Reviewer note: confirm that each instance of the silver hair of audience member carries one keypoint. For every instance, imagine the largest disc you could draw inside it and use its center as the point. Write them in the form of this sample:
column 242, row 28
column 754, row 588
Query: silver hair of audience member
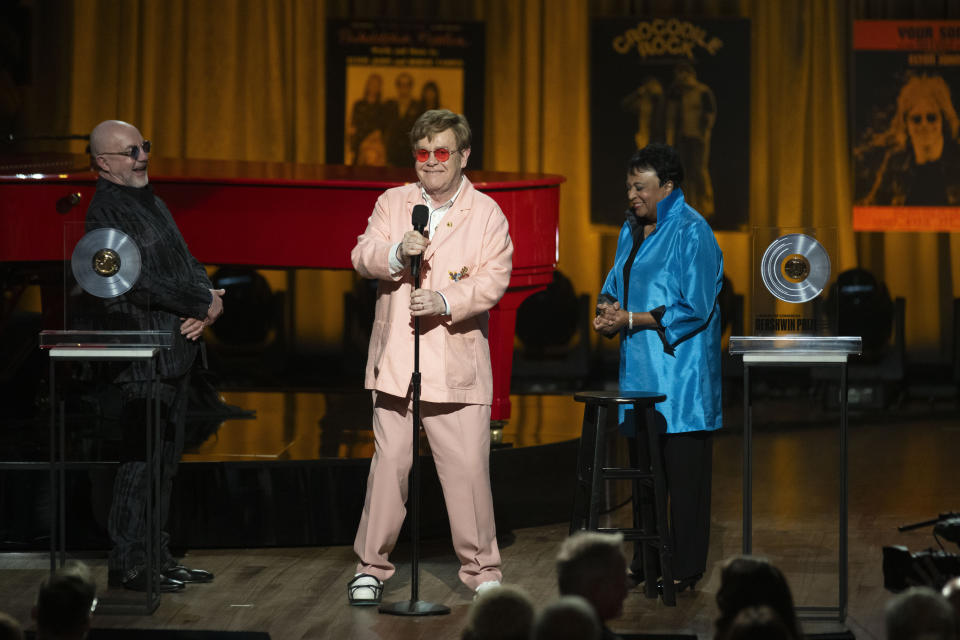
column 569, row 618
column 581, row 559
column 500, row 613
column 920, row 612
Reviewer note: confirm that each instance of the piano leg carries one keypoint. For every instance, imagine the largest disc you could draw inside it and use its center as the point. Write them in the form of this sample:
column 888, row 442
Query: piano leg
column 503, row 322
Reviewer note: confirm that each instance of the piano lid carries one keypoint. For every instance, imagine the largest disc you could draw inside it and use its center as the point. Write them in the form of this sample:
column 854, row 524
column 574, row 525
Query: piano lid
column 55, row 167
column 40, row 165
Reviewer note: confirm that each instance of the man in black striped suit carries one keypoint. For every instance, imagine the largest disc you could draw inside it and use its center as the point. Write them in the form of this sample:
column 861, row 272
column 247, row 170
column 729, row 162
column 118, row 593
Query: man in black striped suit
column 173, row 293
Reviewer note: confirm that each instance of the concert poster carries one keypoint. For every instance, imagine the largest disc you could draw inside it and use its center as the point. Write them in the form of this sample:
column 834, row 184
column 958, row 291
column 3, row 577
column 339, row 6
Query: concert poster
column 906, row 132
column 381, row 76
column 679, row 81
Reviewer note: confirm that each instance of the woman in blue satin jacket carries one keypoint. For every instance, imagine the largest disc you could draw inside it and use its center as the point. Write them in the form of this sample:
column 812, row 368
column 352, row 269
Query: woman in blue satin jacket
column 661, row 298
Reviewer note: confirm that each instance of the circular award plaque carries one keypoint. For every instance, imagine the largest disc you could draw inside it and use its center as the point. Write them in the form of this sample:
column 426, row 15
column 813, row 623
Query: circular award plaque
column 795, row 268
column 106, row 263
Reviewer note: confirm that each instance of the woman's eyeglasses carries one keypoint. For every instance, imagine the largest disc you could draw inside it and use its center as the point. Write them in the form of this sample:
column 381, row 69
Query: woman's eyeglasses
column 133, row 151
column 442, row 154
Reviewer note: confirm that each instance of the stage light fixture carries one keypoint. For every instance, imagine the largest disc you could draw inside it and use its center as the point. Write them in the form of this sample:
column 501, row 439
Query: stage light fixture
column 250, row 304
column 860, row 305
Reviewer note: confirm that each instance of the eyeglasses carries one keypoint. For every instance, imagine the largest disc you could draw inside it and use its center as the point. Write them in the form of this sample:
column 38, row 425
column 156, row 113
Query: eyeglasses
column 918, row 118
column 442, row 154
column 133, row 151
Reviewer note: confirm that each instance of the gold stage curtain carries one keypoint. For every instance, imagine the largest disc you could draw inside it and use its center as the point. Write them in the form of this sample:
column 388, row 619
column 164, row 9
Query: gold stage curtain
column 236, row 80
column 537, row 115
column 221, row 79
column 244, row 79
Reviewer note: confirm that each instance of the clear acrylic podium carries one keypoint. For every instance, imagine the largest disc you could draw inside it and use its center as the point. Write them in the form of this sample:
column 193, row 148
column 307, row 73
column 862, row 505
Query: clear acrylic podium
column 103, row 346
column 798, row 351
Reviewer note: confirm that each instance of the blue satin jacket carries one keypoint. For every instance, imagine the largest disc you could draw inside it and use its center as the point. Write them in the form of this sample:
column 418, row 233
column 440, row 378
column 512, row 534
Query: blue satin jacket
column 678, row 273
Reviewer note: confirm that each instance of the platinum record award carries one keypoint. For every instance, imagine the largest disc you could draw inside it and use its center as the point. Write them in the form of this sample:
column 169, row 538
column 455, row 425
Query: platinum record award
column 106, row 263
column 795, row 268
column 792, row 270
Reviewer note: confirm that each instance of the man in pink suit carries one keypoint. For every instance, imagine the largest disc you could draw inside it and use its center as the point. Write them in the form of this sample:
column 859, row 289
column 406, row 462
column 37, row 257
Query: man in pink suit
column 467, row 259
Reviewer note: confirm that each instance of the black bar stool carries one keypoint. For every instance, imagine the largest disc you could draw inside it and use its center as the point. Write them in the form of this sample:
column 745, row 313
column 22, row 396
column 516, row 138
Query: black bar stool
column 650, row 530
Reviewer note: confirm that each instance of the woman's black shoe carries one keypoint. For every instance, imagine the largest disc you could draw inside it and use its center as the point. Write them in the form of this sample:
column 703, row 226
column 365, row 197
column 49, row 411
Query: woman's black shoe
column 679, row 586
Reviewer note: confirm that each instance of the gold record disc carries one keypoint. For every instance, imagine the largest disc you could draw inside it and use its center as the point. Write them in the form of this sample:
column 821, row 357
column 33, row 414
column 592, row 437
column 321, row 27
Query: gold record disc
column 795, row 268
column 106, row 263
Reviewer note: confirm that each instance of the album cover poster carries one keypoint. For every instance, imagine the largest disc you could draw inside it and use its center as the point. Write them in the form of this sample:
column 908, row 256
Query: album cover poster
column 382, row 75
column 906, row 132
column 683, row 82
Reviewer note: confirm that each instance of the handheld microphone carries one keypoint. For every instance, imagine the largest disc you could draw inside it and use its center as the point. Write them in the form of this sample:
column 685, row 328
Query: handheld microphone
column 421, row 215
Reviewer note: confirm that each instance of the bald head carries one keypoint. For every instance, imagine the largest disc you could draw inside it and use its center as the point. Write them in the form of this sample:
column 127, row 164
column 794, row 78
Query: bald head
column 104, row 134
column 112, row 145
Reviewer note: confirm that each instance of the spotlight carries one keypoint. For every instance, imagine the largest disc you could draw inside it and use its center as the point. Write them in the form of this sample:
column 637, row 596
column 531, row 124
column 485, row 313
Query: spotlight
column 548, row 318
column 861, row 307
column 250, row 305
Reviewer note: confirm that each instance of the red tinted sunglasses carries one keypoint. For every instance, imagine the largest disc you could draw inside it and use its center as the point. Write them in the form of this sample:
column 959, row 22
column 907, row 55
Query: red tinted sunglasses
column 442, row 154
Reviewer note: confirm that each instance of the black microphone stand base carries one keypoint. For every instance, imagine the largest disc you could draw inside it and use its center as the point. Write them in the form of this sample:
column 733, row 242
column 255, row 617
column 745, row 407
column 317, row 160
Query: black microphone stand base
column 414, row 608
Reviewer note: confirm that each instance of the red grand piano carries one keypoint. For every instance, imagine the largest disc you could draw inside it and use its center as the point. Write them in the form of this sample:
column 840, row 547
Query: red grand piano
column 230, row 214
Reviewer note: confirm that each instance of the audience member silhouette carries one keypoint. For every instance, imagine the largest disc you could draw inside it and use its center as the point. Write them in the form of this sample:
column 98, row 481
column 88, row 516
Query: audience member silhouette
column 500, row 613
column 758, row 623
column 10, row 629
column 748, row 581
column 591, row 565
column 920, row 613
column 951, row 591
column 569, row 618
column 65, row 604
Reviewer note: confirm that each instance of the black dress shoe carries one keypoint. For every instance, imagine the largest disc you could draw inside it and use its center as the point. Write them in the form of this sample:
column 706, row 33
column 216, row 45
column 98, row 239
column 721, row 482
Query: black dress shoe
column 165, row 585
column 184, row 574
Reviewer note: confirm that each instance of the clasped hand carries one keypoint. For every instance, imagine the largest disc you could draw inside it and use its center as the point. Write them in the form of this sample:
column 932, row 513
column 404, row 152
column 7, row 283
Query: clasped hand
column 192, row 328
column 610, row 318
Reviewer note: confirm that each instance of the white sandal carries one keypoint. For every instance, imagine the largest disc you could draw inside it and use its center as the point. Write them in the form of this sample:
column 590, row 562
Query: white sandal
column 364, row 590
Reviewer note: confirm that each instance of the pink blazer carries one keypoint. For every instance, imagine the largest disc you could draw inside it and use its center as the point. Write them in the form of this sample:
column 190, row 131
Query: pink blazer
column 469, row 261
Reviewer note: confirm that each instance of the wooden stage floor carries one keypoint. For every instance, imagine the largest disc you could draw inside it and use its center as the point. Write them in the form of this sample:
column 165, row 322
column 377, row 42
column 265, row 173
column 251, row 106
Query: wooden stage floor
column 903, row 468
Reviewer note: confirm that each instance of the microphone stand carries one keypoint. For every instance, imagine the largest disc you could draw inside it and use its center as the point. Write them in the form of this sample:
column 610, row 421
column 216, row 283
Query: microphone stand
column 415, row 606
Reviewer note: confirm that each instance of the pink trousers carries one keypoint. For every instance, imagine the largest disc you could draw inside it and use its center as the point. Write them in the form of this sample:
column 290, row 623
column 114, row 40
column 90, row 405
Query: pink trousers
column 459, row 436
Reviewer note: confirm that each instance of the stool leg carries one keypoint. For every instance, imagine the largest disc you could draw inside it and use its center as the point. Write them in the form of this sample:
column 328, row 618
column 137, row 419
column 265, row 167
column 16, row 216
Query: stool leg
column 596, row 482
column 636, row 563
column 649, row 549
column 581, row 491
column 660, row 497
